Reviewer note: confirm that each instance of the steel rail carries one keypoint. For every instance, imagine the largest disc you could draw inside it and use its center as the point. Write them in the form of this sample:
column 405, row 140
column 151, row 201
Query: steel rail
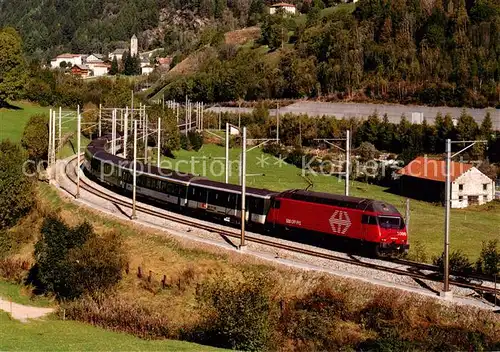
column 217, row 230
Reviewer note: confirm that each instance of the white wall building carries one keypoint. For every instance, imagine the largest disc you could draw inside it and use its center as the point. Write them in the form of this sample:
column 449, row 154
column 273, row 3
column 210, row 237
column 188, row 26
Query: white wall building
column 70, row 59
column 134, row 46
column 288, row 8
column 425, row 179
column 472, row 188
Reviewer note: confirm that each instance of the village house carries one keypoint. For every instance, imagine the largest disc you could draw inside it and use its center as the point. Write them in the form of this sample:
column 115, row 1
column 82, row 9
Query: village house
column 425, row 179
column 82, row 71
column 288, row 8
column 69, row 59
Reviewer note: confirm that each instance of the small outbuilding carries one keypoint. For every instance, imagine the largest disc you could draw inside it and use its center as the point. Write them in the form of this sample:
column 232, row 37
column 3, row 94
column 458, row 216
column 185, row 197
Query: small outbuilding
column 287, row 8
column 425, row 179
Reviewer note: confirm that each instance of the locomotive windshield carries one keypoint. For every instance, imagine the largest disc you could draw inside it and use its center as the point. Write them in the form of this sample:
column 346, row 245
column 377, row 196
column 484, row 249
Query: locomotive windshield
column 391, row 222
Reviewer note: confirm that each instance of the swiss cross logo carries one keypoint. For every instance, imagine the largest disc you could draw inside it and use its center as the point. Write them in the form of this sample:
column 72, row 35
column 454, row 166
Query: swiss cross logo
column 340, row 222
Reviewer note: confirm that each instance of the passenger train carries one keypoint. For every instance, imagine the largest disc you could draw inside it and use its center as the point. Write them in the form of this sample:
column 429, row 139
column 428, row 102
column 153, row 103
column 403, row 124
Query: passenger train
column 319, row 216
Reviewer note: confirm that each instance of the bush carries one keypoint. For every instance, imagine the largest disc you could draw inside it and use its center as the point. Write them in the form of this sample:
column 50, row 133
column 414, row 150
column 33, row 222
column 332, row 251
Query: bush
column 489, row 259
column 115, row 313
column 458, row 262
column 320, row 320
column 195, row 140
column 237, row 315
column 74, row 261
column 184, row 142
column 36, row 138
column 16, row 189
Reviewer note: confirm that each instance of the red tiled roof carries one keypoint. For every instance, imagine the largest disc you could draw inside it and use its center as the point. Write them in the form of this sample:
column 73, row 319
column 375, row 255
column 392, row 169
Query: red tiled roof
column 432, row 169
column 67, row 56
column 283, row 4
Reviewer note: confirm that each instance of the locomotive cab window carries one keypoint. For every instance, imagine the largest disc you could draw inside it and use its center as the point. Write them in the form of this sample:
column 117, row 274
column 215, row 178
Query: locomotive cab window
column 369, row 219
column 390, row 222
column 276, row 204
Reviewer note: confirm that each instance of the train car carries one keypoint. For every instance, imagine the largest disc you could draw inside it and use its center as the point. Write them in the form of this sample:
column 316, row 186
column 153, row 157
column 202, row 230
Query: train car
column 157, row 184
column 223, row 201
column 375, row 223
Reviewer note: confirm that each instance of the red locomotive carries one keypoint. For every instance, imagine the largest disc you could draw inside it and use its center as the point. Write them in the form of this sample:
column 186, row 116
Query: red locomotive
column 376, row 223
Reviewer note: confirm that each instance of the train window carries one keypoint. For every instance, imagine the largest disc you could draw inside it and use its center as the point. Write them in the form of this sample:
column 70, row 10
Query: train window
column 390, row 222
column 369, row 219
column 276, row 204
column 256, row 205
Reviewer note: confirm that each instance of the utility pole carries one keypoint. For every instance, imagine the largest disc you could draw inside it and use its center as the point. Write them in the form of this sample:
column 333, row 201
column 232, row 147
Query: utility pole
column 347, row 161
column 407, row 217
column 145, row 138
column 243, row 188
column 446, row 287
column 159, row 142
column 78, row 132
column 49, row 154
column 227, row 152
column 125, row 134
column 60, row 124
column 99, row 123
column 278, row 123
column 53, row 161
column 134, row 176
column 446, row 293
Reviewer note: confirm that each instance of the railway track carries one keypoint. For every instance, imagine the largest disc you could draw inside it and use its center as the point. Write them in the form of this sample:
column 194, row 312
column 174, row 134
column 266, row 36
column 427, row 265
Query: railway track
column 413, row 270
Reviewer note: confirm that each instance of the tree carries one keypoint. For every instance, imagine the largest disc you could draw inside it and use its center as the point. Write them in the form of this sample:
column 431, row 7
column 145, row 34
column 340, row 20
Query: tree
column 16, row 188
column 36, row 138
column 12, row 65
column 486, row 128
column 114, row 70
column 466, row 127
column 72, row 261
column 367, row 151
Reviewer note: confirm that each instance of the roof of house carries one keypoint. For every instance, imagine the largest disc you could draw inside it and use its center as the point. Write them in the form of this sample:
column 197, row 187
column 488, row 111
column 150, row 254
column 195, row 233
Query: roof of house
column 432, row 169
column 82, row 67
column 164, row 60
column 283, row 4
column 66, row 56
column 119, row 52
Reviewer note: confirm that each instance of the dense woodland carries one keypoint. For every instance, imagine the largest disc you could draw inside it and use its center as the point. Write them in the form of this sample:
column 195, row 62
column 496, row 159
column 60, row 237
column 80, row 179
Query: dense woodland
column 443, row 52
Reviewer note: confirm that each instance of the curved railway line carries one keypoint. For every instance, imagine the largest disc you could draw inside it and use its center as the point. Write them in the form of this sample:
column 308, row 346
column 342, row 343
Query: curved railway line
column 413, row 269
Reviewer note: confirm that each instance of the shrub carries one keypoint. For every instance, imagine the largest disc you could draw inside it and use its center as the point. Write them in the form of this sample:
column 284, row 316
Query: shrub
column 12, row 270
column 74, row 261
column 237, row 315
column 16, row 189
column 115, row 313
column 458, row 262
column 418, row 252
column 184, row 142
column 489, row 259
column 36, row 137
column 320, row 320
column 195, row 140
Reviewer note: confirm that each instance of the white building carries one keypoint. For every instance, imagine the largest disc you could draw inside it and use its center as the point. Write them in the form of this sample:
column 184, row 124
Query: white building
column 146, row 70
column 288, row 8
column 118, row 53
column 134, row 46
column 98, row 69
column 425, row 179
column 70, row 60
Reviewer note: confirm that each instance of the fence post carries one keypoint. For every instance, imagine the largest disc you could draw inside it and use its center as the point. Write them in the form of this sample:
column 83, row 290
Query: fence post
column 163, row 281
column 150, row 275
column 139, row 272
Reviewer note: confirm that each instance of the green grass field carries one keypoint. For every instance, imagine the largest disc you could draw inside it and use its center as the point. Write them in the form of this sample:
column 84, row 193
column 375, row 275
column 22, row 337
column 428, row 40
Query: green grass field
column 50, row 334
column 21, row 295
column 469, row 227
column 57, row 335
column 12, row 121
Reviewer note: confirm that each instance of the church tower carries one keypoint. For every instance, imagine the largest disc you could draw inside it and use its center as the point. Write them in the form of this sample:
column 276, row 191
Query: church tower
column 134, row 46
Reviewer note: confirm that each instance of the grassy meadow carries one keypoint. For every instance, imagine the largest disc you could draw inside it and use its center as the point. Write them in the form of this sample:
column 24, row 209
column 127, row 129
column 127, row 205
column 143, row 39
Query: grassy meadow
column 13, row 119
column 58, row 335
column 469, row 227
